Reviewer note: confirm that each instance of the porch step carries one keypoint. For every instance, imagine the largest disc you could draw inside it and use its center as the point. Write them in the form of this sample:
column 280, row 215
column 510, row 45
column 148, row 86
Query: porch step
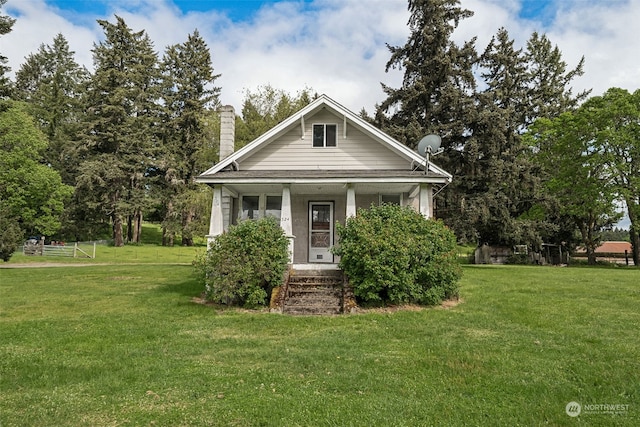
column 314, row 293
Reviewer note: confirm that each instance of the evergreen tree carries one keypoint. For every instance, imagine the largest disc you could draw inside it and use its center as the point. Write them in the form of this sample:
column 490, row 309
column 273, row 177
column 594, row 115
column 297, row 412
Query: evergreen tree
column 52, row 83
column 121, row 140
column 435, row 96
column 496, row 195
column 189, row 95
column 550, row 93
column 6, row 23
column 496, row 182
column 502, row 199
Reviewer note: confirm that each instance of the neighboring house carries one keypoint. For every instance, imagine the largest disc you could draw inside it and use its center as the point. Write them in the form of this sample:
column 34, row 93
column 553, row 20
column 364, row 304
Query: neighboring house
column 312, row 170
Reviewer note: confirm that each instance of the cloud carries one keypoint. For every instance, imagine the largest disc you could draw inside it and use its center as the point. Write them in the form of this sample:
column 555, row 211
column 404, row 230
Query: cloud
column 337, row 47
column 606, row 33
column 37, row 24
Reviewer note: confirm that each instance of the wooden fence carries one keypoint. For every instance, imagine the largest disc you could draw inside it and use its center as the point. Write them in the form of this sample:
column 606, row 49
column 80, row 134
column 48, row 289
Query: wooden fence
column 77, row 250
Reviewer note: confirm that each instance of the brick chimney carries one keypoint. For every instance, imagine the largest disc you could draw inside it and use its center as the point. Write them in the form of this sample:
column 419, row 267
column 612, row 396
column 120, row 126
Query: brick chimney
column 227, row 131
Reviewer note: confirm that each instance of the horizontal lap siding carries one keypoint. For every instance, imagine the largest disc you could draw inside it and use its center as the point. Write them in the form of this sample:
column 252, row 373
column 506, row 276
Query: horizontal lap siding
column 356, row 152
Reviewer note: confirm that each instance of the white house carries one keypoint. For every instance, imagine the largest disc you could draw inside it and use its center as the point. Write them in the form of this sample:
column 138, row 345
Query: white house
column 312, row 170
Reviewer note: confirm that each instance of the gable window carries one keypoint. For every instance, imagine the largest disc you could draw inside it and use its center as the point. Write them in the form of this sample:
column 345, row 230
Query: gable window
column 325, row 135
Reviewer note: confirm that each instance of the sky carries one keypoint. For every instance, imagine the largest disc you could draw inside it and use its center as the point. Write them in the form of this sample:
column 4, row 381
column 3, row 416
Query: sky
column 336, row 47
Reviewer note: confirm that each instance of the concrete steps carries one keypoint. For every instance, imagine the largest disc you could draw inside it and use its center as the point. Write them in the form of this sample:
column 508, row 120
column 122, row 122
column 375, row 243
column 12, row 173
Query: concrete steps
column 314, row 292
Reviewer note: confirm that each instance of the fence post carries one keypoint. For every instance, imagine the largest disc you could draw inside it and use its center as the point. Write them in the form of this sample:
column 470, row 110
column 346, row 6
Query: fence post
column 94, row 250
column 75, row 249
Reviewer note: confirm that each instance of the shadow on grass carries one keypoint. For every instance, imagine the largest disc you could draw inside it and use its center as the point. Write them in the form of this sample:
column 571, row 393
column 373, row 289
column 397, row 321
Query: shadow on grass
column 189, row 287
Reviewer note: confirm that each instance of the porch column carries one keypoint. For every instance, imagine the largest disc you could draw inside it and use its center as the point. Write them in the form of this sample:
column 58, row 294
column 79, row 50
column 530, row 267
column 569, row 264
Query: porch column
column 285, row 218
column 351, row 201
column 216, row 222
column 426, row 196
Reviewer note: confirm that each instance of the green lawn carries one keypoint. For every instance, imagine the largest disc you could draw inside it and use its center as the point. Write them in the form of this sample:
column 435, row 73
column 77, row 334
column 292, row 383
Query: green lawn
column 119, row 345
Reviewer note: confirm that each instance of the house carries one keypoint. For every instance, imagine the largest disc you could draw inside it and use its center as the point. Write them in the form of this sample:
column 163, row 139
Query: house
column 312, row 170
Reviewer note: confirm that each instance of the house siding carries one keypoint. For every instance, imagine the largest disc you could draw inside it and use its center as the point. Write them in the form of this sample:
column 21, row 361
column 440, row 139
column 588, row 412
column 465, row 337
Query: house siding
column 355, row 152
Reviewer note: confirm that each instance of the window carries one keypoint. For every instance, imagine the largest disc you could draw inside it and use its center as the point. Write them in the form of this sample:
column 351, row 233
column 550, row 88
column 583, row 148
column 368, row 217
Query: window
column 250, row 207
column 259, row 206
column 274, row 206
column 392, row 199
column 325, row 135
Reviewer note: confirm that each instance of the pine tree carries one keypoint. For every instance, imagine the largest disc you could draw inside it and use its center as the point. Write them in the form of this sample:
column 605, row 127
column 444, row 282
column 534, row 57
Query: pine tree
column 6, row 23
column 189, row 96
column 122, row 105
column 496, row 195
column 52, row 83
column 550, row 93
column 488, row 190
column 501, row 184
column 435, row 96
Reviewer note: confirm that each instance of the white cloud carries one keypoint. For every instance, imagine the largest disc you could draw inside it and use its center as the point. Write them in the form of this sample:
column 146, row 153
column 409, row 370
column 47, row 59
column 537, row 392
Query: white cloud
column 38, row 24
column 606, row 34
column 337, row 47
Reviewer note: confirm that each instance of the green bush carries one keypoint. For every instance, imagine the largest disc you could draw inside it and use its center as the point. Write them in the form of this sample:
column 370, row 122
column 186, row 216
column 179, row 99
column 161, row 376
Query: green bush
column 243, row 265
column 393, row 255
column 10, row 234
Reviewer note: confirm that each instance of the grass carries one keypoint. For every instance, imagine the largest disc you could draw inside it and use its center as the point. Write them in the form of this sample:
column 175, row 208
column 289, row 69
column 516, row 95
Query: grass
column 119, row 345
column 149, row 251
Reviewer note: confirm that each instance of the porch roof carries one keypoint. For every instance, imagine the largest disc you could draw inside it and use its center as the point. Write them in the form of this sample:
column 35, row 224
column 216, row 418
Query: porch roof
column 323, row 176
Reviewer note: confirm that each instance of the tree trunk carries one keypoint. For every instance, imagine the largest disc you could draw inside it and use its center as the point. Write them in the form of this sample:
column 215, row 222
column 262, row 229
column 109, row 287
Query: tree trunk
column 586, row 230
column 167, row 236
column 137, row 226
column 633, row 211
column 129, row 228
column 187, row 218
column 118, row 238
column 634, row 236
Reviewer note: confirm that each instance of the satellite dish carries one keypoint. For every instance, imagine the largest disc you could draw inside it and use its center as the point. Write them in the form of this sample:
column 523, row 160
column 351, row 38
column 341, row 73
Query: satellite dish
column 429, row 144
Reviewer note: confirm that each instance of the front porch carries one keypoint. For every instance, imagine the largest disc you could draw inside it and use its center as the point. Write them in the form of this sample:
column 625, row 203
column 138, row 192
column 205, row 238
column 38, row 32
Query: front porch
column 309, row 206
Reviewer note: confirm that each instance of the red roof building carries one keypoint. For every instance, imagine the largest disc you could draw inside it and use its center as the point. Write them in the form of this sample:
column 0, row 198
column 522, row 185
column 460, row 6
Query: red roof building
column 614, row 248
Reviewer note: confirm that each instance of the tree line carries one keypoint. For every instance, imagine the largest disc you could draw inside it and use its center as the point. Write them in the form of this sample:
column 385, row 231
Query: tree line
column 88, row 155
column 532, row 161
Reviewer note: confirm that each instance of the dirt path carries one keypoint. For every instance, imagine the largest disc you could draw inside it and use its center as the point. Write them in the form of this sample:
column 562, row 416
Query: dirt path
column 45, row 265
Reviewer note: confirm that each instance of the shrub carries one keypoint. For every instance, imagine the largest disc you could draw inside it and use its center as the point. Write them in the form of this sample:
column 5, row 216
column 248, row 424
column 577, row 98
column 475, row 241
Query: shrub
column 10, row 234
column 392, row 254
column 243, row 265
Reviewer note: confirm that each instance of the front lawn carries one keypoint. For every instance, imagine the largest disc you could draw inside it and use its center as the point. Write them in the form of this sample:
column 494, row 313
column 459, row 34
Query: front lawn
column 126, row 345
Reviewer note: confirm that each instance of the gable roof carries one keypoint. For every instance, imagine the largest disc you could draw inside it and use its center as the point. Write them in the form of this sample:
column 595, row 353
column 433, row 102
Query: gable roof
column 323, row 101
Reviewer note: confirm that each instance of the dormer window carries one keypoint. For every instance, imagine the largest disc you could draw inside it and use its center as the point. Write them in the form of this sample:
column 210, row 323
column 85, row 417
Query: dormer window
column 325, row 135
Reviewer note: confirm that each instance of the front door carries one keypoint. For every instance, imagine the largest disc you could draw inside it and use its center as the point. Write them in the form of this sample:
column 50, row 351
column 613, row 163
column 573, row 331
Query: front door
column 320, row 231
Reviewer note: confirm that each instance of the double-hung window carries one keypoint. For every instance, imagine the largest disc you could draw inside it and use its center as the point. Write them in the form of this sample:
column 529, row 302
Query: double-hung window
column 325, row 135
